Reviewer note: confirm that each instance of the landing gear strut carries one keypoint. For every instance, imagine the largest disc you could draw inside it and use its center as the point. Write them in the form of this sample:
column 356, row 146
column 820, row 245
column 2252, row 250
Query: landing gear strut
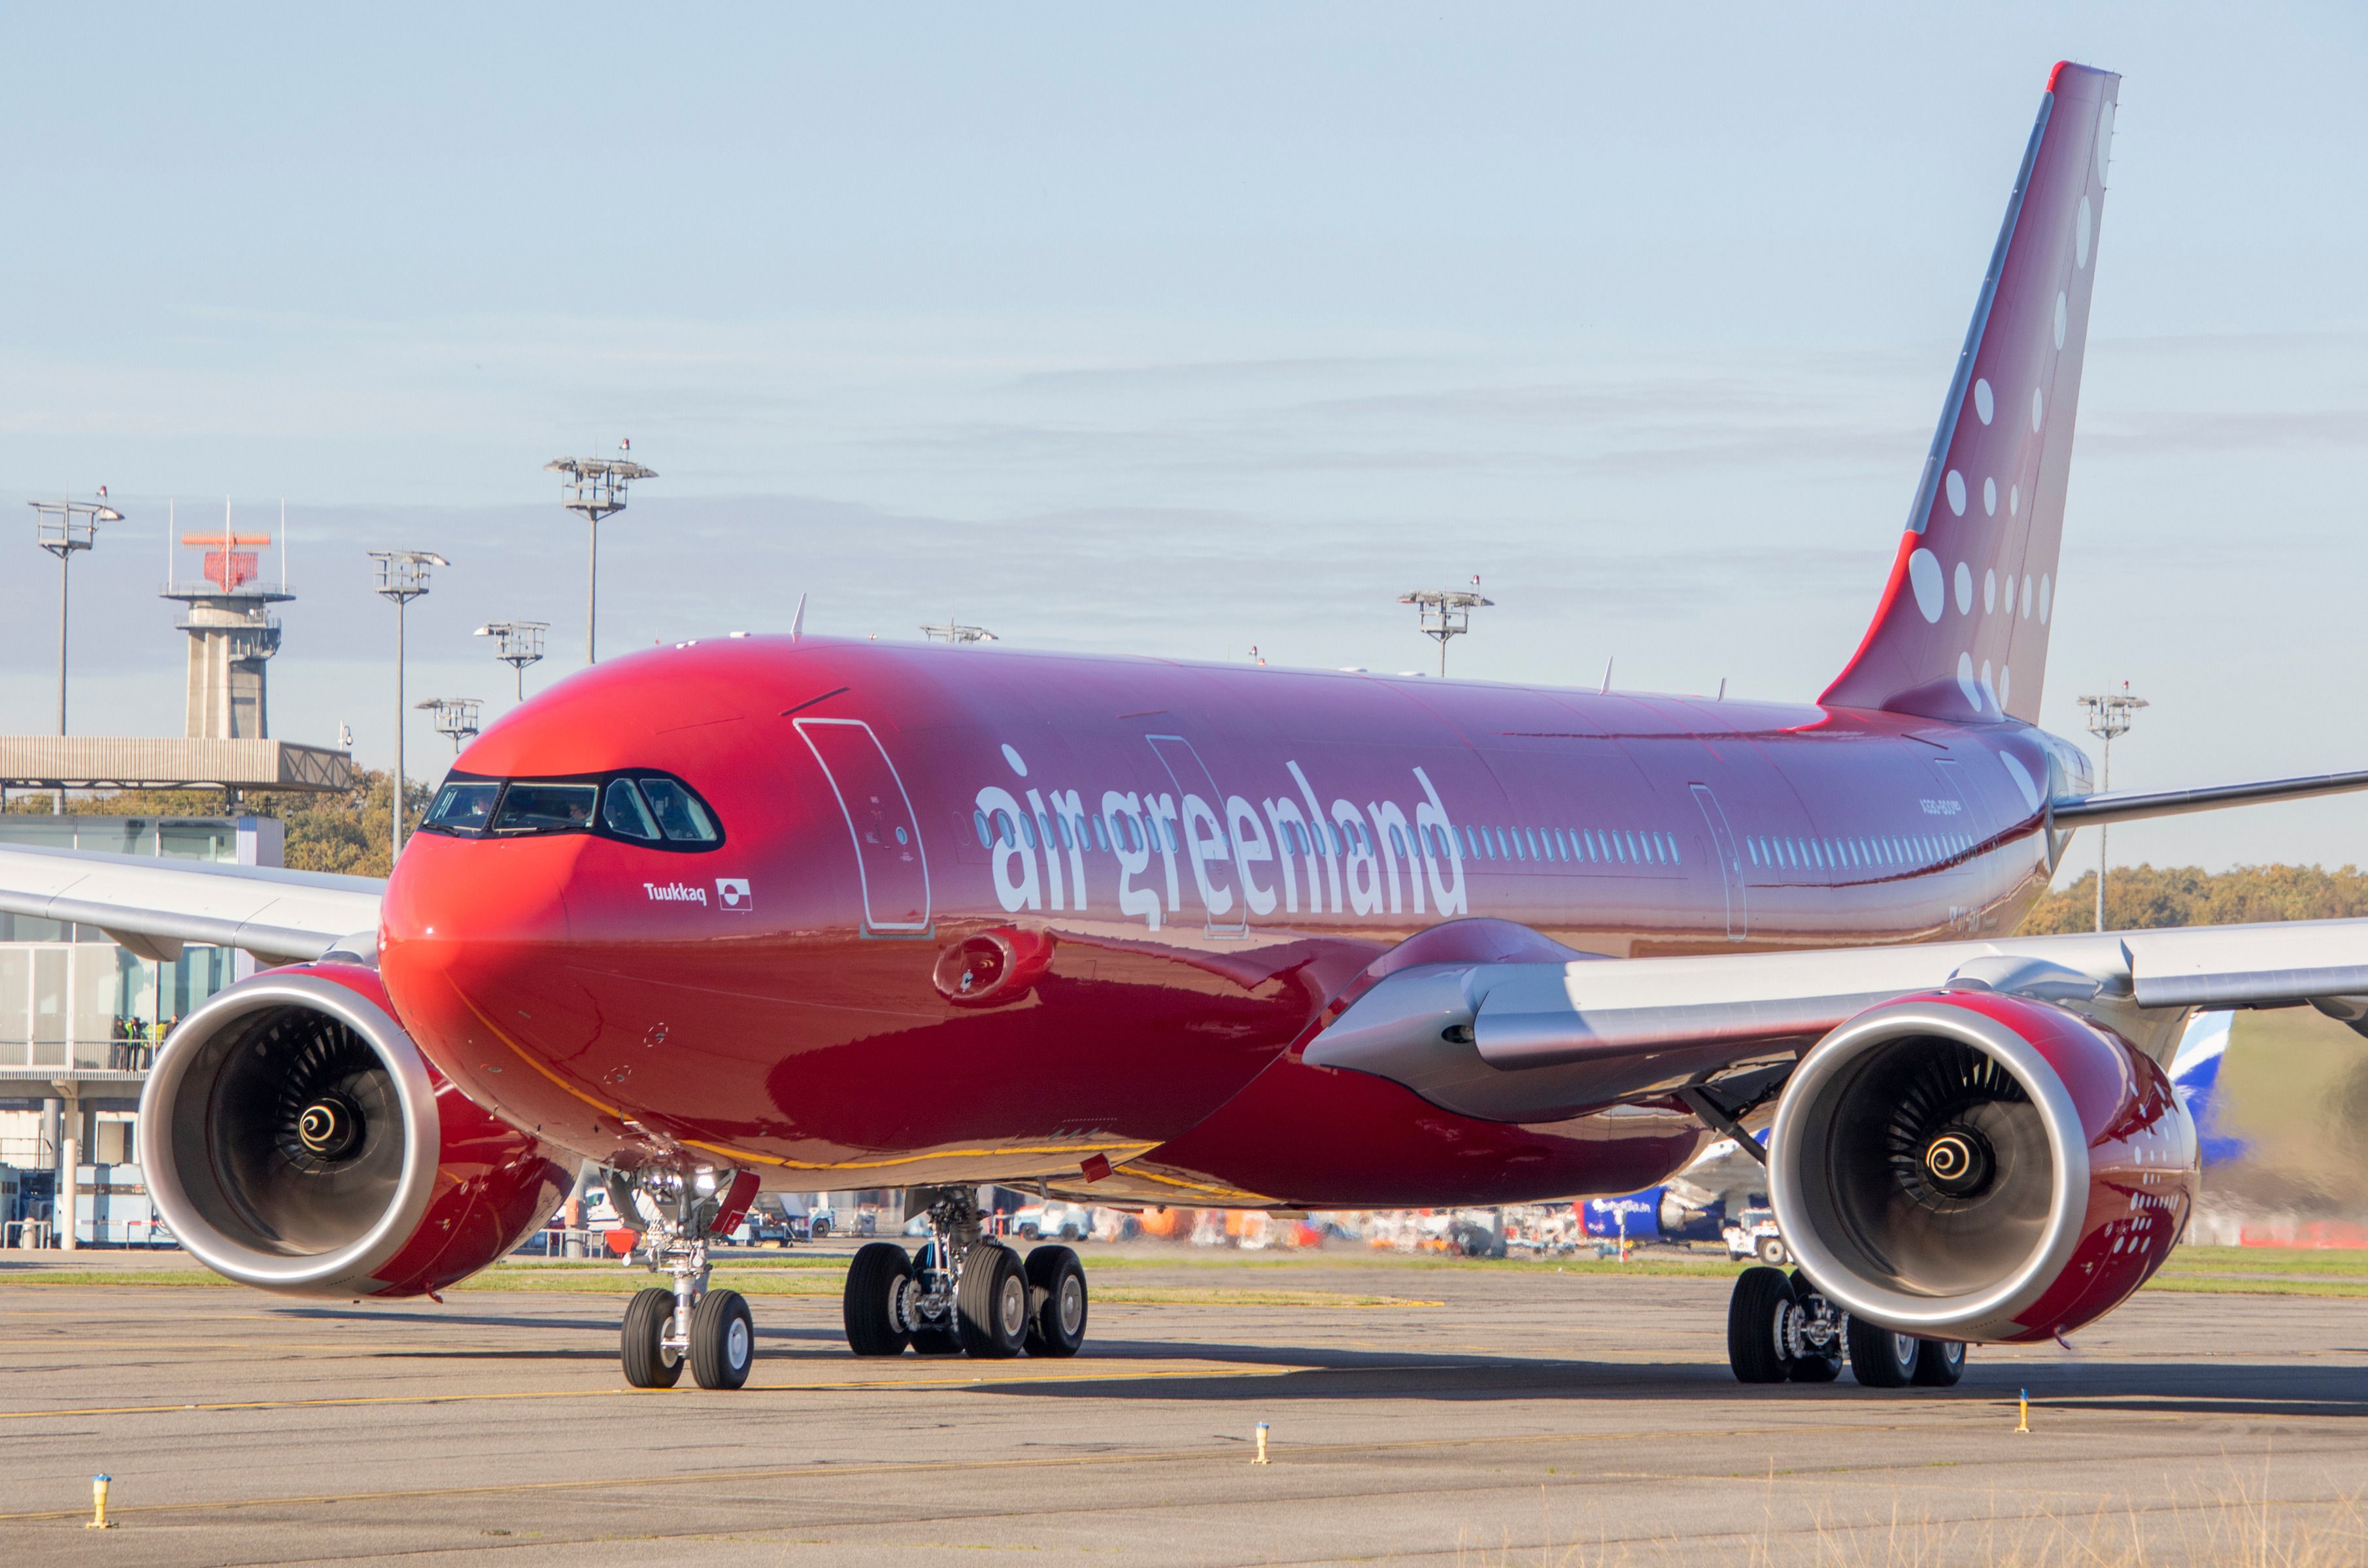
column 664, row 1328
column 965, row 1291
column 1780, row 1328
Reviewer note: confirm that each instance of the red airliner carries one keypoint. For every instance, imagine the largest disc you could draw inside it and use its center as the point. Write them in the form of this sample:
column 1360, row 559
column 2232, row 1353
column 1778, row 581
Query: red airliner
column 797, row 913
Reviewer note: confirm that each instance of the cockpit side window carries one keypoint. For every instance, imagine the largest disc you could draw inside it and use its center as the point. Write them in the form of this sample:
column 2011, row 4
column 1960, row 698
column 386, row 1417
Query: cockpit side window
column 621, row 812
column 680, row 812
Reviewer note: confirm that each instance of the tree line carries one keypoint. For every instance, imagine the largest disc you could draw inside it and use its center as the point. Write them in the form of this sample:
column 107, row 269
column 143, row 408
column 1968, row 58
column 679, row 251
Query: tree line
column 2145, row 896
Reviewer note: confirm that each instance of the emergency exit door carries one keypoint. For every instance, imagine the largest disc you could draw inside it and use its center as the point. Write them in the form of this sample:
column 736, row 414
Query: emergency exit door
column 1730, row 862
column 889, row 858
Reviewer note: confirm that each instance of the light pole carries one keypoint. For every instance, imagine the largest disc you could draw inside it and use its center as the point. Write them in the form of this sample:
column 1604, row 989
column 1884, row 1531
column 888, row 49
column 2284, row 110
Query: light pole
column 456, row 718
column 2109, row 718
column 517, row 643
column 1445, row 614
column 62, row 528
column 594, row 488
column 402, row 577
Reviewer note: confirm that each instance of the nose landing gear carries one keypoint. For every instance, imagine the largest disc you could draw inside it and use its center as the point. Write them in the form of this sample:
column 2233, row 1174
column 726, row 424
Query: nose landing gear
column 1781, row 1329
column 712, row 1331
column 965, row 1291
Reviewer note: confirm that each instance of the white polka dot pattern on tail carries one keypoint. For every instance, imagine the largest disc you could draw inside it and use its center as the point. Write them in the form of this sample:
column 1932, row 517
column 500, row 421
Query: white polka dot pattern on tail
column 2026, row 599
column 1965, row 682
column 1984, row 403
column 2061, row 319
column 2043, row 585
column 2080, row 235
column 1956, row 493
column 1989, row 496
column 2035, row 407
column 1965, row 590
column 1924, row 576
column 1990, row 592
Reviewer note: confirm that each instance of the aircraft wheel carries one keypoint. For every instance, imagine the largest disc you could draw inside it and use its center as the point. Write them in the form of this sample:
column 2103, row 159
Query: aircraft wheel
column 1057, row 1301
column 723, row 1340
column 1940, row 1363
column 875, row 1281
column 1814, row 1367
column 1881, row 1358
column 991, row 1305
column 1755, row 1325
column 649, row 1364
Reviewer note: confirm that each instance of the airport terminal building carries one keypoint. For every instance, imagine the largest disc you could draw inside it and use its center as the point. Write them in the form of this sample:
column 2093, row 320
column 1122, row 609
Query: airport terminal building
column 80, row 1018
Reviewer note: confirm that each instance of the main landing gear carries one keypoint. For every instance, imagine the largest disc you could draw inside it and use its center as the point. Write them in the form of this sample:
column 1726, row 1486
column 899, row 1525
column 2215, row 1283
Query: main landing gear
column 964, row 1291
column 666, row 1328
column 1781, row 1327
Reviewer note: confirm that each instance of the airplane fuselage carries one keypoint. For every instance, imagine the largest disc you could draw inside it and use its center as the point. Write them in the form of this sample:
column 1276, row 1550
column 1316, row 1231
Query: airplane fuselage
column 994, row 917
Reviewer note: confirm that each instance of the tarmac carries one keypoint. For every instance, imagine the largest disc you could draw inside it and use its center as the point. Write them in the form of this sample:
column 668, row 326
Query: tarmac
column 1451, row 1414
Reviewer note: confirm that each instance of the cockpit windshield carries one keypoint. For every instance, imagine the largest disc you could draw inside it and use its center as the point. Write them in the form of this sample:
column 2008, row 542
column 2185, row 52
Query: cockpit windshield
column 637, row 805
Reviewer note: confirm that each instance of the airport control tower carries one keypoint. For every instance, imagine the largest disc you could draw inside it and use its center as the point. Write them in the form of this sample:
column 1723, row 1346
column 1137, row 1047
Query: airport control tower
column 233, row 633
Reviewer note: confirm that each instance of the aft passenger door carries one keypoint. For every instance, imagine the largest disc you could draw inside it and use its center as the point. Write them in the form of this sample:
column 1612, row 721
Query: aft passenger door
column 889, row 858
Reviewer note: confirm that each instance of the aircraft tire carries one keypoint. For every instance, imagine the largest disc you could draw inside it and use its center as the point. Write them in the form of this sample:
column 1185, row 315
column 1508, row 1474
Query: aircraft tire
column 869, row 1307
column 1939, row 1363
column 1753, row 1314
column 1057, row 1301
column 647, row 1363
column 1881, row 1359
column 723, row 1340
column 991, row 1305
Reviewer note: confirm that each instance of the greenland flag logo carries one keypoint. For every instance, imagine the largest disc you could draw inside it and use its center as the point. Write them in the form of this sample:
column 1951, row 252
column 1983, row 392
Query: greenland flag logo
column 732, row 892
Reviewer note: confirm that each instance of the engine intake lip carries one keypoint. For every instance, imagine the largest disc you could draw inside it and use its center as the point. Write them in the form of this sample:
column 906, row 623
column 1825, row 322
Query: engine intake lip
column 178, row 1082
column 1803, row 1115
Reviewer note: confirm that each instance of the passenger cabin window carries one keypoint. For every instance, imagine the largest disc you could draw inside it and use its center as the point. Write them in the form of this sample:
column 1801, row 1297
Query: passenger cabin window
column 641, row 808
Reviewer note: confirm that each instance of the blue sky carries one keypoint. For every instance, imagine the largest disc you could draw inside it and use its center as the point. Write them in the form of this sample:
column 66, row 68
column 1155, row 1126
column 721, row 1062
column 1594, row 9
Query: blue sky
column 1183, row 334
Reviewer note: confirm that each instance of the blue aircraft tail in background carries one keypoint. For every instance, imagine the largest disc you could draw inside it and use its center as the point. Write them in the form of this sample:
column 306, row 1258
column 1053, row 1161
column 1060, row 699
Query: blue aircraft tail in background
column 2195, row 1076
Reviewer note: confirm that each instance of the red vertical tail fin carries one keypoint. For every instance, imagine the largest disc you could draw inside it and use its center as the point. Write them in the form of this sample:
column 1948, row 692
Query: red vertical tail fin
column 1962, row 632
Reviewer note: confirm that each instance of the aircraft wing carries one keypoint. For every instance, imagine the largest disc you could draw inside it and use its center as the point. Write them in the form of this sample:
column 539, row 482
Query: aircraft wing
column 153, row 906
column 1518, row 1041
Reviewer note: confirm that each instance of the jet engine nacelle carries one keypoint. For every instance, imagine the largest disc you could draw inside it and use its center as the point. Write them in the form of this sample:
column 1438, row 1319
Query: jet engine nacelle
column 1975, row 1165
column 295, row 1139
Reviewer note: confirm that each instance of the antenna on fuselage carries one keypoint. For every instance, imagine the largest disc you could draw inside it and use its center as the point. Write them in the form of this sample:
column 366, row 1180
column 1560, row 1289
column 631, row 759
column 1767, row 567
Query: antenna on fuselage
column 798, row 620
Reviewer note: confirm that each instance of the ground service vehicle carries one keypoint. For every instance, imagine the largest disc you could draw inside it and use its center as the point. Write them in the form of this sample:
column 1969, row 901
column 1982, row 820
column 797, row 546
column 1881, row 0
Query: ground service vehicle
column 800, row 912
